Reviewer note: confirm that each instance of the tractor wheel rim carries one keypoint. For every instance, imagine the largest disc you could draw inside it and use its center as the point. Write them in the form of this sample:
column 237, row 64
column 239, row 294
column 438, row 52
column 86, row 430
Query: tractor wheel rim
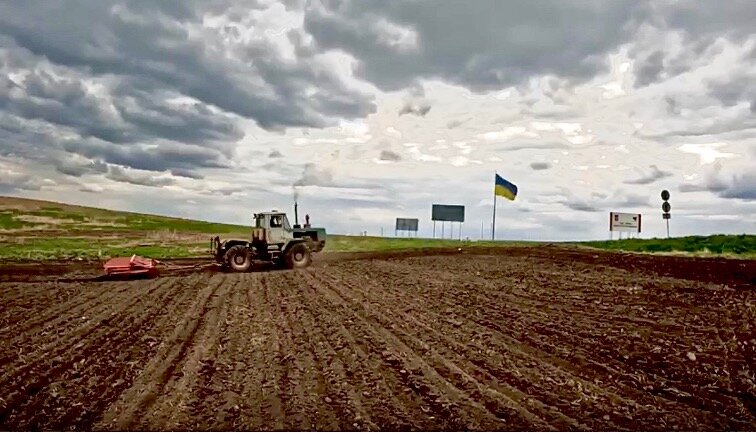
column 239, row 259
column 298, row 256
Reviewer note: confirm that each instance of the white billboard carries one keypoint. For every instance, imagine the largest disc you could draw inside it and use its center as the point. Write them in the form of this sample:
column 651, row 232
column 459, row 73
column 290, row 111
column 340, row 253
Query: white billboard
column 625, row 222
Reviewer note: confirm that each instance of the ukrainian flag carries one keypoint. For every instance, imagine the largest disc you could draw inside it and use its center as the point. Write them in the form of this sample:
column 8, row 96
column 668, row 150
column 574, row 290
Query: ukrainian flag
column 505, row 188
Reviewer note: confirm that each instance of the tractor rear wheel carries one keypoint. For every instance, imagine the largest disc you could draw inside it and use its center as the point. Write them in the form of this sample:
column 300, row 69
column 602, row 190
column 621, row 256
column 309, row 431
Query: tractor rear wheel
column 298, row 256
column 239, row 258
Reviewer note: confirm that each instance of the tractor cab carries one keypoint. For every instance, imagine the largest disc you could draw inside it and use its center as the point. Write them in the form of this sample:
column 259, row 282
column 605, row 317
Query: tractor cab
column 277, row 226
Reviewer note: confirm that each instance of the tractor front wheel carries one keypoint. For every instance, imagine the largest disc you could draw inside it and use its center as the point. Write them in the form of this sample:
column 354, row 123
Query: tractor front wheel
column 239, row 258
column 298, row 256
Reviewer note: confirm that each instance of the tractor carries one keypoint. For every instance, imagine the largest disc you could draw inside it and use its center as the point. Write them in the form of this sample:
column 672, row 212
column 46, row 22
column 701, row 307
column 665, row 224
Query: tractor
column 274, row 241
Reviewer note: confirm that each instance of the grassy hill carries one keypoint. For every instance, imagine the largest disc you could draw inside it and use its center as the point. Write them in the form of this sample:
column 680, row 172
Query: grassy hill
column 36, row 230
column 733, row 245
column 32, row 229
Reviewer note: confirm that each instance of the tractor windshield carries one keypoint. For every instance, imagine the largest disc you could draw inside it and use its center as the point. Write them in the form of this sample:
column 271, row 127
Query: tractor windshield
column 286, row 224
column 259, row 220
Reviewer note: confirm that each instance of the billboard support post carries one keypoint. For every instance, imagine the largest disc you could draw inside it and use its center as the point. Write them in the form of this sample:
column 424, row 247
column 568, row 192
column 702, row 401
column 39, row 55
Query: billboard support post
column 405, row 226
column 624, row 222
column 447, row 213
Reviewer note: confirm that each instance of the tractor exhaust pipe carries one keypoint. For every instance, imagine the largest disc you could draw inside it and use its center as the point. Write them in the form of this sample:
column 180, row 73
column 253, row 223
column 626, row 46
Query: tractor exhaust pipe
column 296, row 216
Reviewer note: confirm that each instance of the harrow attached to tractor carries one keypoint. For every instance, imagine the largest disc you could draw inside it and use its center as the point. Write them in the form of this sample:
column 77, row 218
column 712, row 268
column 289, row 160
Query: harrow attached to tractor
column 132, row 267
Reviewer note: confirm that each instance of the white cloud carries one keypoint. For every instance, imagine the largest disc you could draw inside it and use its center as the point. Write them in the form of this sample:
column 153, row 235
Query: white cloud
column 707, row 152
column 506, row 134
column 403, row 39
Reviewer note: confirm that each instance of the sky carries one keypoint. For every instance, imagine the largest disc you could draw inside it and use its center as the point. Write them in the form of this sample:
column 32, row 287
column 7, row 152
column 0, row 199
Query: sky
column 369, row 111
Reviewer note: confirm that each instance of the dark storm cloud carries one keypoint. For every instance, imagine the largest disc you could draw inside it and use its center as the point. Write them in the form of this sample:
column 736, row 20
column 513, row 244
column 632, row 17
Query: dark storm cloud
column 150, row 41
column 618, row 199
column 650, row 69
column 735, row 89
column 10, row 182
column 184, row 173
column 713, row 185
column 415, row 109
column 119, row 174
column 655, row 175
column 579, row 205
column 739, row 186
column 129, row 114
column 540, row 166
column 519, row 145
column 499, row 44
column 78, row 169
column 710, row 18
column 701, row 24
column 146, row 110
column 672, row 106
column 390, row 156
column 159, row 157
column 454, row 123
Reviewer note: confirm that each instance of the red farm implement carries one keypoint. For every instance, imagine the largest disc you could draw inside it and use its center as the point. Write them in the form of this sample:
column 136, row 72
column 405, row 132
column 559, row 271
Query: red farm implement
column 135, row 266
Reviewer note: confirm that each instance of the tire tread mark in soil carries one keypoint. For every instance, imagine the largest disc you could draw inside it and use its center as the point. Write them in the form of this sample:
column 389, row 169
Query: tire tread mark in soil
column 345, row 396
column 452, row 348
column 564, row 337
column 99, row 348
column 218, row 401
column 53, row 324
column 450, row 351
column 73, row 340
column 493, row 318
column 59, row 315
column 159, row 372
column 477, row 416
column 274, row 385
column 310, row 386
column 178, row 402
column 406, row 413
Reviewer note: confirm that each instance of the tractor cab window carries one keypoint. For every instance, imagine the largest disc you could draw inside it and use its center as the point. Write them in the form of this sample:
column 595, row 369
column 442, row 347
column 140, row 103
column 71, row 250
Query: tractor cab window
column 275, row 221
column 259, row 221
column 286, row 224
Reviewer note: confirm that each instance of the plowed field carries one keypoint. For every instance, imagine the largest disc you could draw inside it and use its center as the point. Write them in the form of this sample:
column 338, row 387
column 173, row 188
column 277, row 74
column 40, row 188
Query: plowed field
column 510, row 339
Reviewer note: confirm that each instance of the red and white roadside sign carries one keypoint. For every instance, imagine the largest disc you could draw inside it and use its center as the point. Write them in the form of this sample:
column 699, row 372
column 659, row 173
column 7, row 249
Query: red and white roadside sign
column 624, row 222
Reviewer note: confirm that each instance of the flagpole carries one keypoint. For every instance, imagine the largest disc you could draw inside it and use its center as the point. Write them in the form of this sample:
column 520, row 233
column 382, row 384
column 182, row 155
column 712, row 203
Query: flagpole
column 493, row 226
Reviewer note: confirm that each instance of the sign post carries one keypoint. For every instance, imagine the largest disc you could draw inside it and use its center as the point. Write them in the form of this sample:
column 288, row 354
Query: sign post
column 666, row 207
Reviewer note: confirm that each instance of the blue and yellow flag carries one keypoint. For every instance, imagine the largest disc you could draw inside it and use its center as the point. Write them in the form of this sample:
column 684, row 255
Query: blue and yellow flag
column 505, row 188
